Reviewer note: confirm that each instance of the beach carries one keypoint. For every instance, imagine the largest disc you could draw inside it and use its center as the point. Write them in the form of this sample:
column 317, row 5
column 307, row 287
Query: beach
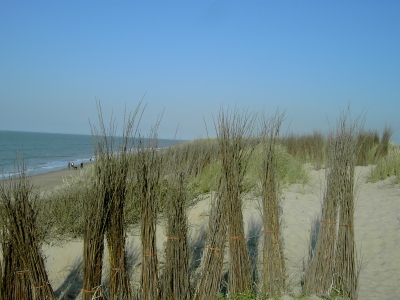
column 377, row 234
column 55, row 178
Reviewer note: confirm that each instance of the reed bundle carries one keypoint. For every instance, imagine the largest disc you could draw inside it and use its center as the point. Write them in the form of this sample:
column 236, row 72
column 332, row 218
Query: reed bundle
column 213, row 253
column 24, row 275
column 332, row 266
column 15, row 282
column 105, row 210
column 96, row 213
column 120, row 162
column 346, row 264
column 319, row 275
column 273, row 258
column 147, row 165
column 176, row 283
column 119, row 285
column 232, row 131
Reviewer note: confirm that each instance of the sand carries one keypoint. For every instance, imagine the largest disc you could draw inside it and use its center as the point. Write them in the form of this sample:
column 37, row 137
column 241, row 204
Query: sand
column 56, row 178
column 377, row 233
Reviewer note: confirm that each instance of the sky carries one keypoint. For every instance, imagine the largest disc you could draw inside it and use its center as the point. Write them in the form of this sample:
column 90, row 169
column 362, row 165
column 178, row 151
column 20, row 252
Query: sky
column 188, row 60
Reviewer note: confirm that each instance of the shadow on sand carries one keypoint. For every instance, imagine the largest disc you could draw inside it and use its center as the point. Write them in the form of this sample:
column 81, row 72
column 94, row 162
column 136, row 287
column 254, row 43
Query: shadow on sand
column 72, row 285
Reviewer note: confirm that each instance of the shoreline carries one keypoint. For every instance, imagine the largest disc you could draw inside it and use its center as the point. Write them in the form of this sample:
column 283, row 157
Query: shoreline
column 56, row 178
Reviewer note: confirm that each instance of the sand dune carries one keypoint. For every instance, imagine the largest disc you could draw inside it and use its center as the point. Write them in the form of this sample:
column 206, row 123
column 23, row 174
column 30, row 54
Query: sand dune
column 377, row 232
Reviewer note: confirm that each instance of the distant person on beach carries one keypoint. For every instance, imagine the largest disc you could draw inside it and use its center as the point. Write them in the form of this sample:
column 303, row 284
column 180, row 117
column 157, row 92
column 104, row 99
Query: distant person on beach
column 81, row 165
column 90, row 158
column 69, row 165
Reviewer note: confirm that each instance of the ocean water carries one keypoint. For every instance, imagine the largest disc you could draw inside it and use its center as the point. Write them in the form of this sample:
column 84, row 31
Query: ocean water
column 46, row 152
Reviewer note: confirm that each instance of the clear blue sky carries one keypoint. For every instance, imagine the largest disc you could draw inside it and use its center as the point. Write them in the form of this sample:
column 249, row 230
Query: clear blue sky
column 311, row 58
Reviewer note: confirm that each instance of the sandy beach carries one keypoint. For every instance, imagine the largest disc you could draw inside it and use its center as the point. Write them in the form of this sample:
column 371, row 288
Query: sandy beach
column 377, row 233
column 56, row 178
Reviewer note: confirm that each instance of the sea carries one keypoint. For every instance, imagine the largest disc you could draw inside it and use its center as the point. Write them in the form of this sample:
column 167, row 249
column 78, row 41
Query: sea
column 47, row 152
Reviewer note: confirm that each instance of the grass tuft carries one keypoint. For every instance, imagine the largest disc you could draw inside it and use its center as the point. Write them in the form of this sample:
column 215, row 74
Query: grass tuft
column 387, row 166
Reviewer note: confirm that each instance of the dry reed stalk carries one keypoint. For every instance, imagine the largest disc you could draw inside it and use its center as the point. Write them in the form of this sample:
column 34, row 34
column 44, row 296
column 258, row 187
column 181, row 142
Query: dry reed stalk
column 232, row 130
column 273, row 258
column 97, row 209
column 346, row 279
column 19, row 215
column 319, row 275
column 105, row 212
column 205, row 155
column 290, row 142
column 196, row 155
column 119, row 286
column 335, row 252
column 176, row 284
column 148, row 170
column 213, row 254
column 96, row 214
column 318, row 144
column 346, row 265
column 14, row 281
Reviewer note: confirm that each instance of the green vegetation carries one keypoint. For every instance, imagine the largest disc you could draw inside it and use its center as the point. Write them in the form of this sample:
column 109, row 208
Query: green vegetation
column 387, row 166
column 242, row 296
column 290, row 170
column 135, row 189
column 61, row 211
column 309, row 148
column 60, row 216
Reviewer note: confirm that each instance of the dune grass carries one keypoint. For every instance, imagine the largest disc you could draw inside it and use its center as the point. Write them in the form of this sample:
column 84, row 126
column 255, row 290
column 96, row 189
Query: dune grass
column 308, row 148
column 61, row 215
column 290, row 170
column 383, row 147
column 388, row 166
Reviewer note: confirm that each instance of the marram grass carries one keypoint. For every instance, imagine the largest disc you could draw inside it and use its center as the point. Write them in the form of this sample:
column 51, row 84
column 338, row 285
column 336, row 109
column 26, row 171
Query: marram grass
column 387, row 166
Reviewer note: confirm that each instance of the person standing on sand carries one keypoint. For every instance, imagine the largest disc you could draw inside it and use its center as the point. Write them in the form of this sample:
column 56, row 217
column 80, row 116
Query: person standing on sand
column 81, row 165
column 69, row 165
